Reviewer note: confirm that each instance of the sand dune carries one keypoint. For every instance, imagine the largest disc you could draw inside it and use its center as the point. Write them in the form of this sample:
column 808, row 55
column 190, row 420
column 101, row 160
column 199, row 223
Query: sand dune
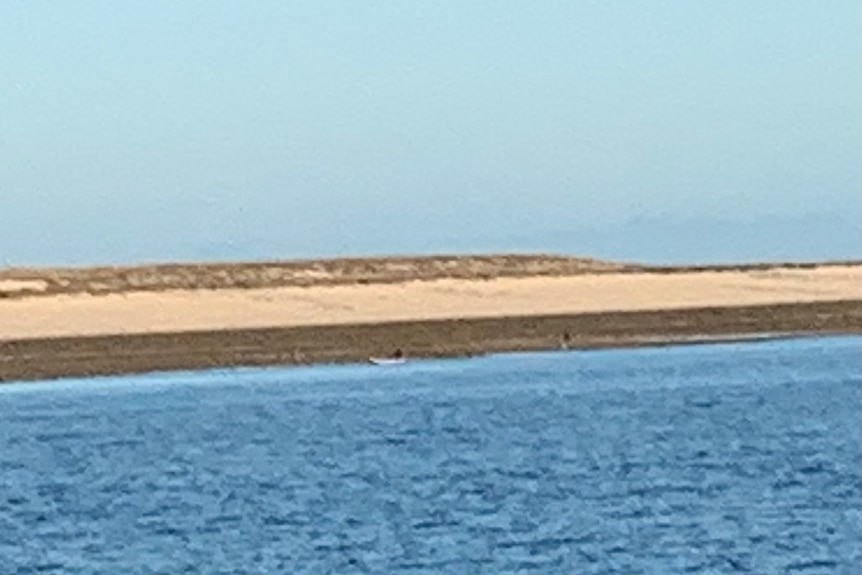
column 78, row 313
column 27, row 282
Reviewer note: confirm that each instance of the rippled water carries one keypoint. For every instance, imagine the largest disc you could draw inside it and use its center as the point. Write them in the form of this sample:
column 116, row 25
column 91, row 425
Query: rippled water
column 708, row 459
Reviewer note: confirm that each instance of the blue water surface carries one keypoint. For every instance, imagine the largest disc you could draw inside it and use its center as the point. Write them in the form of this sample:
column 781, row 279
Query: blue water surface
column 726, row 458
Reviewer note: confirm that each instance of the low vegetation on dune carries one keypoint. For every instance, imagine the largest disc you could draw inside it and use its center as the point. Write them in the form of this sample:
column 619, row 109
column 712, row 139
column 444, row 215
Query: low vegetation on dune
column 118, row 279
column 26, row 282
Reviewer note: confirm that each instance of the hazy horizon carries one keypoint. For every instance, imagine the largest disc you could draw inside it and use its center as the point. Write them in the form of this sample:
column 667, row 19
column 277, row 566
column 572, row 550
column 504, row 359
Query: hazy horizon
column 646, row 241
column 671, row 132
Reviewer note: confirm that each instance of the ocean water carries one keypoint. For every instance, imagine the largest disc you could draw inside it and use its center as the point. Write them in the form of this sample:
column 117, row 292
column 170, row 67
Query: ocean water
column 730, row 458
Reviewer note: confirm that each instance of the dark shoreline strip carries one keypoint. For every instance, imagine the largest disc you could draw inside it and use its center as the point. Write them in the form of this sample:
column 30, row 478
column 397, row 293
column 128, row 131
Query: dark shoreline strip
column 49, row 358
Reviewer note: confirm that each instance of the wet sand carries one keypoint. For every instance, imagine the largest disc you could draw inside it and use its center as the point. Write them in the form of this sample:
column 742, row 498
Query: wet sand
column 64, row 328
column 32, row 359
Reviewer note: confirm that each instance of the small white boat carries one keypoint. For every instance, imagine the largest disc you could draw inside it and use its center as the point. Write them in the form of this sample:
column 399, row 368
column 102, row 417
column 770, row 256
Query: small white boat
column 387, row 360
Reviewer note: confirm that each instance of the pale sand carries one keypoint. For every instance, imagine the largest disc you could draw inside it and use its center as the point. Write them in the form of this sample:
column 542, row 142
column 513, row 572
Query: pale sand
column 200, row 310
column 12, row 286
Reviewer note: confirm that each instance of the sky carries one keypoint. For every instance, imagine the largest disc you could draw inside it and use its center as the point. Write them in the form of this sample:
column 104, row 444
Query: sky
column 660, row 131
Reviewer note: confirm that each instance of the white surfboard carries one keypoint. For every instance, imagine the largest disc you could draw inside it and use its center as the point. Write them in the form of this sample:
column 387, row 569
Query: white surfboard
column 387, row 360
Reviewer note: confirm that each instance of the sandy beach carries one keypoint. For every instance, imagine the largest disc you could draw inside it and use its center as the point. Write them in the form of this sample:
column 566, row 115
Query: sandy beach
column 47, row 310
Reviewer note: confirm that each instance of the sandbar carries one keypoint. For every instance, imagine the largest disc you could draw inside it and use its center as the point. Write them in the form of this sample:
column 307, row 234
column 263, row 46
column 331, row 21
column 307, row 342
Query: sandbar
column 54, row 331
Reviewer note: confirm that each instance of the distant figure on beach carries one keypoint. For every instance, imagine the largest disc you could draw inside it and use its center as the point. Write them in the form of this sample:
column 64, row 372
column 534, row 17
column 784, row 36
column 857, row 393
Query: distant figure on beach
column 398, row 354
column 564, row 340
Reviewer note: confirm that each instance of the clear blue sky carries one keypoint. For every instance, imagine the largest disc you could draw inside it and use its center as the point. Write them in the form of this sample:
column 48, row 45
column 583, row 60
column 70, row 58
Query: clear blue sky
column 661, row 130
